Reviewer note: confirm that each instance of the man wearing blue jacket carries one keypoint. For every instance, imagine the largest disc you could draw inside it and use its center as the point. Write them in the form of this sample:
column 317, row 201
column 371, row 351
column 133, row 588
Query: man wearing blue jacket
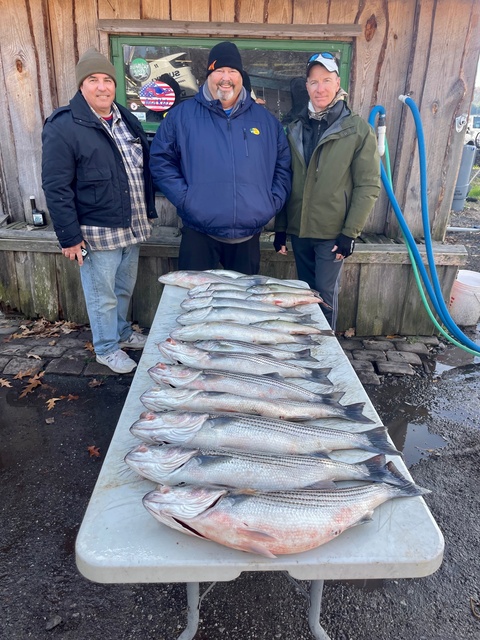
column 224, row 162
column 100, row 196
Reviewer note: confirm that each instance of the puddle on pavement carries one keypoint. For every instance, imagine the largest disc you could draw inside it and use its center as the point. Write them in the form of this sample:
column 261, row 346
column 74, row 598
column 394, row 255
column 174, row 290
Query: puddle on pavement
column 454, row 357
column 413, row 438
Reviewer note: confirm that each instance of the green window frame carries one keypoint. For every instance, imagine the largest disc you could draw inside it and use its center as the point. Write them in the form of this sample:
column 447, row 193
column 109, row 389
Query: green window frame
column 271, row 65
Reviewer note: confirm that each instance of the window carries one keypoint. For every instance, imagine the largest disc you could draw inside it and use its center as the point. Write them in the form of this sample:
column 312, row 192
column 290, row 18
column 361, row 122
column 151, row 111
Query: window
column 272, row 66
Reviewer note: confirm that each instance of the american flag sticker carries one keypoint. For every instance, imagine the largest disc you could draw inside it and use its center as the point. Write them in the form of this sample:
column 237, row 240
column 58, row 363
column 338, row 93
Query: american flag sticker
column 157, row 96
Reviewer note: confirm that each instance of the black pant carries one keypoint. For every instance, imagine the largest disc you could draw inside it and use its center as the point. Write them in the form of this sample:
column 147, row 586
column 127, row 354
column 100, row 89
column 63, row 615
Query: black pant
column 317, row 266
column 199, row 252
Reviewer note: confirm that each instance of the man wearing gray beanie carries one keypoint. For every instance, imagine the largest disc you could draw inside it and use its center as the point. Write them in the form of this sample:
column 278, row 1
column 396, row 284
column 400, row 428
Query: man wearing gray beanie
column 97, row 184
column 224, row 162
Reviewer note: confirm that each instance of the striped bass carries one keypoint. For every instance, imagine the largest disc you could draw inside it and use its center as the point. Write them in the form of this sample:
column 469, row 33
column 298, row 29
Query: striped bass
column 252, row 386
column 216, row 286
column 192, row 356
column 252, row 433
column 270, row 524
column 280, row 298
column 287, row 326
column 189, row 279
column 239, row 346
column 235, row 331
column 234, row 314
column 171, row 464
column 158, row 399
column 217, row 300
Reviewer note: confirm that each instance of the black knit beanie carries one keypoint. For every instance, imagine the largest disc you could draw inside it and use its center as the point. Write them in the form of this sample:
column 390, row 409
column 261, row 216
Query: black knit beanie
column 93, row 62
column 224, row 54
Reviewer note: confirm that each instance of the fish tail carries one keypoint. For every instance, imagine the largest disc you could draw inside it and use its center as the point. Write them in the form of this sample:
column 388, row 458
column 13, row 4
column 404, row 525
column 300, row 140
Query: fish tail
column 354, row 413
column 306, row 354
column 320, row 375
column 381, row 472
column 379, row 441
column 410, row 488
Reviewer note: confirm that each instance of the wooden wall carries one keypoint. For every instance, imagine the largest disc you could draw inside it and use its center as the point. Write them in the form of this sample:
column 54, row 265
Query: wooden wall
column 427, row 48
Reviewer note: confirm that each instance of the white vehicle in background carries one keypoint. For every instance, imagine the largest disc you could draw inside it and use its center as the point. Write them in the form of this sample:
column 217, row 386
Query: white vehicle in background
column 178, row 69
column 472, row 132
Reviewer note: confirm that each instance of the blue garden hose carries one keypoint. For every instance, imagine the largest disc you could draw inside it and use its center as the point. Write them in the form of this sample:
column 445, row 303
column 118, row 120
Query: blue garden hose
column 434, row 293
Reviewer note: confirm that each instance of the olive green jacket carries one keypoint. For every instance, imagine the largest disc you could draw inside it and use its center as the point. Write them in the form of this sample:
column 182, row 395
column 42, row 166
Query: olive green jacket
column 336, row 192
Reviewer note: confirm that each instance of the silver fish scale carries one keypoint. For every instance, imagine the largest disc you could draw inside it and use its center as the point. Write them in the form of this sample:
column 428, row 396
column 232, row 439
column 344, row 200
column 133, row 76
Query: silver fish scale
column 239, row 346
column 321, row 499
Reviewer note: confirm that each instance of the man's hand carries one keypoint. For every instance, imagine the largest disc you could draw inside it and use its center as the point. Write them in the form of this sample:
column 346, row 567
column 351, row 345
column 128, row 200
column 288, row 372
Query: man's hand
column 343, row 247
column 280, row 242
column 75, row 253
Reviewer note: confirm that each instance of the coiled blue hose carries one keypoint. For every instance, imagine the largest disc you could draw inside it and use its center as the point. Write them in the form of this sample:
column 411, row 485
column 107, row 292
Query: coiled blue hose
column 434, row 293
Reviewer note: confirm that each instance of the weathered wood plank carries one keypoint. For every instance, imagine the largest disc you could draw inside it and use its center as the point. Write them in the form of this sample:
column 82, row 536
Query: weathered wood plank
column 348, row 296
column 155, row 10
column 36, row 275
column 23, row 86
column 11, row 197
column 342, row 12
column 8, row 281
column 190, row 9
column 309, row 12
column 118, row 9
column 224, row 29
column 223, row 11
column 279, row 11
column 71, row 301
column 65, row 54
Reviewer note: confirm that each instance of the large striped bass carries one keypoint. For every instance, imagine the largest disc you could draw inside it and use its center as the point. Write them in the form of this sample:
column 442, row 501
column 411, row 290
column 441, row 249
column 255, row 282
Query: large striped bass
column 221, row 300
column 278, row 298
column 191, row 356
column 189, row 279
column 171, row 464
column 253, row 433
column 294, row 352
column 235, row 331
column 236, row 314
column 264, row 386
column 270, row 524
column 158, row 399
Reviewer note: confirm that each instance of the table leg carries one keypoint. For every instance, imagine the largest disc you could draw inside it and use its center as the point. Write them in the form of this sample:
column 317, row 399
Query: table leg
column 316, row 589
column 193, row 611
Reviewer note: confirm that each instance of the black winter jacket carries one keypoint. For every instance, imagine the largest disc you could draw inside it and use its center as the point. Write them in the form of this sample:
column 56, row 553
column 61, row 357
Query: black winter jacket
column 83, row 175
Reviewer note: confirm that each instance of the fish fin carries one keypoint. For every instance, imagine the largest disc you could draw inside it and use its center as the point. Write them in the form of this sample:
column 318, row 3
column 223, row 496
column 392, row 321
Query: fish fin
column 381, row 472
column 379, row 441
column 306, row 354
column 367, row 517
column 320, row 374
column 206, row 459
column 258, row 549
column 336, row 395
column 274, row 376
column 408, row 489
column 354, row 412
column 321, row 453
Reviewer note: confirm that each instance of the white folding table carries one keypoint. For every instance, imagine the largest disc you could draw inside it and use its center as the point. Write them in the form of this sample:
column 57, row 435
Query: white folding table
column 120, row 542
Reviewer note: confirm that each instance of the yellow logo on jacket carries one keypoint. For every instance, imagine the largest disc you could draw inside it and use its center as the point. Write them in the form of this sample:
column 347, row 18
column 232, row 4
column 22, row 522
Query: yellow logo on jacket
column 255, row 131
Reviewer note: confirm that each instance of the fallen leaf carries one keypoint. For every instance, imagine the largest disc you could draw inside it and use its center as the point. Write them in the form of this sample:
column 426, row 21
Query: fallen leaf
column 4, row 383
column 51, row 402
column 95, row 383
column 49, row 420
column 33, row 355
column 71, row 397
column 33, row 383
column 349, row 333
column 52, row 343
column 89, row 346
column 23, row 374
column 93, row 451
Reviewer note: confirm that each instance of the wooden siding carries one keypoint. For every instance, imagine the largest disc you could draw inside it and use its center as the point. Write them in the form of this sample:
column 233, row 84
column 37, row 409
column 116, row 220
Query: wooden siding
column 378, row 294
column 426, row 48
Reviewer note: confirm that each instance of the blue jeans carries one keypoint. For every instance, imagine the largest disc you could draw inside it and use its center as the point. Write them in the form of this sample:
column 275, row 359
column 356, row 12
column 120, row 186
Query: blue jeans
column 108, row 280
column 317, row 266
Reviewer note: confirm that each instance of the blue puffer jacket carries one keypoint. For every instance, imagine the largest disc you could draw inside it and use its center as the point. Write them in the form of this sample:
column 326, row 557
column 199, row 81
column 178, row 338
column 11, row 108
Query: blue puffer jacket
column 227, row 176
column 83, row 175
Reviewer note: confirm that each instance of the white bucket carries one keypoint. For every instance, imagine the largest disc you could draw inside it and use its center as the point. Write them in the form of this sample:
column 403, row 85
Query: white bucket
column 465, row 299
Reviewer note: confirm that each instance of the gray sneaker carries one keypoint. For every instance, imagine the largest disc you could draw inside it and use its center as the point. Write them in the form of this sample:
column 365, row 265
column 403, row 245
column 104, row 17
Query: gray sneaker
column 117, row 361
column 134, row 341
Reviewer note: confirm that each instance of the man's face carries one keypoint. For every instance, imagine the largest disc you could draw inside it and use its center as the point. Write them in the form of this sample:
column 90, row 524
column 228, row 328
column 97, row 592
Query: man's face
column 225, row 84
column 99, row 91
column 322, row 86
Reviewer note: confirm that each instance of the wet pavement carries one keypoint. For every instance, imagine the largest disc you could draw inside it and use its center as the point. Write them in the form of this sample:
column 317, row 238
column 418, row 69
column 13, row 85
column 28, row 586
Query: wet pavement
column 55, row 429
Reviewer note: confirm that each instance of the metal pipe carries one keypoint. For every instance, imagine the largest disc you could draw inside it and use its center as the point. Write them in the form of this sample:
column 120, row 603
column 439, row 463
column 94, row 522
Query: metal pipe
column 463, row 229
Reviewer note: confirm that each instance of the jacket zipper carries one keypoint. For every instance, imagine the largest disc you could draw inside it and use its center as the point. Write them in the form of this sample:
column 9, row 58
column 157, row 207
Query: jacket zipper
column 245, row 140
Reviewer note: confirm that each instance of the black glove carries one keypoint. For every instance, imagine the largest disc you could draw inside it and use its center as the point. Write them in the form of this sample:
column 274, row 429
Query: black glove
column 280, row 240
column 345, row 245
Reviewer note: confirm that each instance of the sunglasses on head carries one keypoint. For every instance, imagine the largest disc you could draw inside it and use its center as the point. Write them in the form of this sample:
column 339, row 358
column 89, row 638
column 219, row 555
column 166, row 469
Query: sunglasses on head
column 318, row 56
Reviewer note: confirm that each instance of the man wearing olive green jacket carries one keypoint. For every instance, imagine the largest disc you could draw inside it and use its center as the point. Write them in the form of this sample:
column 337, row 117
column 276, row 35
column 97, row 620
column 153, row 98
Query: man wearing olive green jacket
column 336, row 181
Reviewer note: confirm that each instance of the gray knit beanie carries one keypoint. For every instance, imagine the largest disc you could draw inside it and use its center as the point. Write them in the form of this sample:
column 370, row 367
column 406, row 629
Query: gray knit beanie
column 93, row 62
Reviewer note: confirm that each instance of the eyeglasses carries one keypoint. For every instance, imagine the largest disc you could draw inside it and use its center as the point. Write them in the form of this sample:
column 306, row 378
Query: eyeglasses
column 316, row 57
